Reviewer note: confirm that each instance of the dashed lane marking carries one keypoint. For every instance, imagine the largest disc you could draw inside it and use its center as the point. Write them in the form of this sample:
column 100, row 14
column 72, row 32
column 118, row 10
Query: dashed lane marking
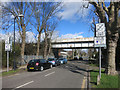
column 49, row 74
column 24, row 85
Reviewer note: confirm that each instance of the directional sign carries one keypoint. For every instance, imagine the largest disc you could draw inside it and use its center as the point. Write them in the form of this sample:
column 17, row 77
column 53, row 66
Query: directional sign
column 100, row 41
column 100, row 29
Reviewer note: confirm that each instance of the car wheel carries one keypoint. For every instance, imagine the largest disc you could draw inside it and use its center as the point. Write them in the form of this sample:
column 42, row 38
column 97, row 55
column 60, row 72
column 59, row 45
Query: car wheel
column 41, row 68
column 51, row 66
column 55, row 65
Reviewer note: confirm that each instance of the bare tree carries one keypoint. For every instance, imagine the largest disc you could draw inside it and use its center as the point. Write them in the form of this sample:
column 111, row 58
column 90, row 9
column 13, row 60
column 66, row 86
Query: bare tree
column 109, row 16
column 51, row 31
column 44, row 11
column 38, row 24
column 14, row 9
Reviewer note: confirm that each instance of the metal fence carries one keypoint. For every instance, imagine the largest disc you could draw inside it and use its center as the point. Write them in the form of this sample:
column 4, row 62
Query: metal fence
column 27, row 58
column 30, row 57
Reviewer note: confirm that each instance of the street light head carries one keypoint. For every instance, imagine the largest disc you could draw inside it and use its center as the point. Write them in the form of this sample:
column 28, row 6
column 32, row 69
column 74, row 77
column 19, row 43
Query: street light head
column 21, row 15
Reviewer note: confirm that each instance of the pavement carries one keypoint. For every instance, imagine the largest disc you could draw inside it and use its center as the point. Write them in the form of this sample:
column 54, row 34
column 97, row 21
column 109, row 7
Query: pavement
column 74, row 74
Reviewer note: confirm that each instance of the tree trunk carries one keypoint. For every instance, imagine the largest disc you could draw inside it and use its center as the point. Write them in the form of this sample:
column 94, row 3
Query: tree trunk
column 111, row 54
column 118, row 55
column 45, row 48
column 49, row 50
column 23, row 43
column 38, row 44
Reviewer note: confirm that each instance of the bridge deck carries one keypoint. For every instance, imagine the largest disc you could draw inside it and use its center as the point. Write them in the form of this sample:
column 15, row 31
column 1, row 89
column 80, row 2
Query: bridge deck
column 73, row 43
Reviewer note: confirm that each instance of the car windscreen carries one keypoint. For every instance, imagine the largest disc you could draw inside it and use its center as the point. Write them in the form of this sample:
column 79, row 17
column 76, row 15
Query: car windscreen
column 43, row 61
column 60, row 59
column 50, row 59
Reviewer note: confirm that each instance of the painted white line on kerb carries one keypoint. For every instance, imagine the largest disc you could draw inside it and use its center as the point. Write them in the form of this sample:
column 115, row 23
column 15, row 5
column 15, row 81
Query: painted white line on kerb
column 49, row 74
column 24, row 84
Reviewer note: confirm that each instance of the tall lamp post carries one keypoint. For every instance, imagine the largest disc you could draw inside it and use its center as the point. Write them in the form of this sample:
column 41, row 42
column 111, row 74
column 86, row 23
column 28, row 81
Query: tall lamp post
column 14, row 63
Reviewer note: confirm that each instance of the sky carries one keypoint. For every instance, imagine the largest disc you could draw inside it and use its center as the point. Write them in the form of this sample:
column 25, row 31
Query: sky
column 75, row 22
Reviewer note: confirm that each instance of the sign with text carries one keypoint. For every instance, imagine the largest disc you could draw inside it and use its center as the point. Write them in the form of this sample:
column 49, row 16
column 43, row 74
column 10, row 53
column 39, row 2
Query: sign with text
column 8, row 44
column 100, row 41
column 100, row 29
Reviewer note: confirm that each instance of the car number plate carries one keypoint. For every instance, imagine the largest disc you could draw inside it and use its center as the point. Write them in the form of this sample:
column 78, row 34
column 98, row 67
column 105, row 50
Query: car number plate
column 31, row 67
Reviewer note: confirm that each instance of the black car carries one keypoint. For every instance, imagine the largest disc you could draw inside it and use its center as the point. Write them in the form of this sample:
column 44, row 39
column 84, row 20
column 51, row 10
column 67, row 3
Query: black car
column 80, row 58
column 38, row 64
column 75, row 58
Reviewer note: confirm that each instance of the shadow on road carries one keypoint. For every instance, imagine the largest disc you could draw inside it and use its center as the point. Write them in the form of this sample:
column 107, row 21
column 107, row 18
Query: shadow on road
column 77, row 67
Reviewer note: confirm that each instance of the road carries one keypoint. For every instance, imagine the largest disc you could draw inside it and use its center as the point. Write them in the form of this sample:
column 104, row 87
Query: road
column 69, row 75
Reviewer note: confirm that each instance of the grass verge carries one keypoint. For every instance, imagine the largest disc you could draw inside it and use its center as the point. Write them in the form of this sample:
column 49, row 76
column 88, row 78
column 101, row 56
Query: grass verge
column 94, row 65
column 107, row 81
column 11, row 72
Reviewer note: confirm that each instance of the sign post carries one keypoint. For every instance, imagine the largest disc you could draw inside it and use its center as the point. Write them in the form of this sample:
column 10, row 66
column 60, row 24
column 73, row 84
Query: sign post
column 7, row 61
column 100, row 62
column 100, row 41
column 8, row 46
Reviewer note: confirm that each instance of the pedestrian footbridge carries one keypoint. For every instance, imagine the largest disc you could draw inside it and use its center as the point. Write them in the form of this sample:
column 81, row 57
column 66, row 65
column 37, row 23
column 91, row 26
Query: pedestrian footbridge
column 73, row 43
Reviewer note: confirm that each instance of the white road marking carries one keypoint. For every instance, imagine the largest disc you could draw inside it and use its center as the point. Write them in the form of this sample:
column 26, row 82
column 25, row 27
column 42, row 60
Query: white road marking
column 49, row 74
column 47, row 70
column 24, row 84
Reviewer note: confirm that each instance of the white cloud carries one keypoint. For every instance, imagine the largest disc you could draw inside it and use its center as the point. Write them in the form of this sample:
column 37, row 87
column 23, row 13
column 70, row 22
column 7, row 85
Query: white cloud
column 29, row 37
column 55, row 35
column 42, row 36
column 73, row 11
column 5, row 36
column 76, row 35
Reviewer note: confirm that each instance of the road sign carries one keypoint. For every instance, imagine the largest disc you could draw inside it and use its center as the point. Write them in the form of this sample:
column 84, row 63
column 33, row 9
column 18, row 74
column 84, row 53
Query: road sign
column 100, row 29
column 100, row 41
column 7, row 47
column 10, row 39
column 7, row 40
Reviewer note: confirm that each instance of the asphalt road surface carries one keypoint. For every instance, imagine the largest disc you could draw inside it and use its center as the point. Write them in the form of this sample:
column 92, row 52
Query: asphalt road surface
column 70, row 75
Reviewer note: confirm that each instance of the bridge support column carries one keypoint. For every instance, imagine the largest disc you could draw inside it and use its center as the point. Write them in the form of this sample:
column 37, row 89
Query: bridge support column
column 56, row 53
column 72, row 53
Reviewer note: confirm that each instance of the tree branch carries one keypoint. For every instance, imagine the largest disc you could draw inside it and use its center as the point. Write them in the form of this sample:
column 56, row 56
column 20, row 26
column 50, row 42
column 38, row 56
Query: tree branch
column 105, row 8
column 100, row 12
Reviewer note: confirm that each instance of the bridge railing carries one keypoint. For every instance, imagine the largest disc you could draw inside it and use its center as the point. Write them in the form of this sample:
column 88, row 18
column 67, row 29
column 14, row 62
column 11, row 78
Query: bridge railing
column 73, row 39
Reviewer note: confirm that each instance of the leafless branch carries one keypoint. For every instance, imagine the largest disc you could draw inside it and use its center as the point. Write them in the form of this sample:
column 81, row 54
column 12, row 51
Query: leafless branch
column 105, row 8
